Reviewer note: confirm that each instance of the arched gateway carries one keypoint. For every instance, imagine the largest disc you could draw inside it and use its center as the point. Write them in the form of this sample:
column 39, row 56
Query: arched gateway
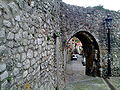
column 91, row 52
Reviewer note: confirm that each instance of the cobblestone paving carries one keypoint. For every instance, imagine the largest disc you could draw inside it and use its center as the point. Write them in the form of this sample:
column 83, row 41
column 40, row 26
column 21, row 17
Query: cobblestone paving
column 115, row 81
column 77, row 80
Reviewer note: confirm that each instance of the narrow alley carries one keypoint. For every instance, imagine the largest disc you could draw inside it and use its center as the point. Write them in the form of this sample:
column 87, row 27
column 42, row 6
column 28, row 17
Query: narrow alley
column 76, row 79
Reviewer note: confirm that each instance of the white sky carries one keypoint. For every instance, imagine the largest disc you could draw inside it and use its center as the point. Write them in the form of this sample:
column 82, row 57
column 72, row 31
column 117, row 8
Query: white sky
column 108, row 4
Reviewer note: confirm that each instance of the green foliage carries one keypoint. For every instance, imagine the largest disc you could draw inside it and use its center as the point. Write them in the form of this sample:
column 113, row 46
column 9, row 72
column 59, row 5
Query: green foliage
column 99, row 7
column 48, row 38
column 9, row 79
column 76, row 39
column 118, row 11
column 57, row 34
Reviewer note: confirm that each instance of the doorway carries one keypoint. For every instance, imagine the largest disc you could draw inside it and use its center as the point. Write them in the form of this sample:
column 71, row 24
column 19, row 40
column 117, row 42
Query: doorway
column 90, row 53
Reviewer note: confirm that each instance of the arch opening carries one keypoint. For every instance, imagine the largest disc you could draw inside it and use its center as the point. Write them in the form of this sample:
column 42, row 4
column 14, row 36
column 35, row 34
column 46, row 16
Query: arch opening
column 90, row 50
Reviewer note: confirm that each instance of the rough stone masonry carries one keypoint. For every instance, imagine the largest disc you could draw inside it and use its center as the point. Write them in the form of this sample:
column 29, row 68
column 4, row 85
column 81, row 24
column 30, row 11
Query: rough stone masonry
column 27, row 46
column 75, row 19
column 32, row 36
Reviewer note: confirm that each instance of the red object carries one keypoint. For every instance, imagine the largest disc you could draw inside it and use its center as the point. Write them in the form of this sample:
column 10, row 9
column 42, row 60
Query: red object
column 79, row 44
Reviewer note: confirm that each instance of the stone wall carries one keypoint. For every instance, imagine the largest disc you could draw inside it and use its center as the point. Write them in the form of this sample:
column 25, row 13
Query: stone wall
column 27, row 44
column 33, row 34
column 75, row 19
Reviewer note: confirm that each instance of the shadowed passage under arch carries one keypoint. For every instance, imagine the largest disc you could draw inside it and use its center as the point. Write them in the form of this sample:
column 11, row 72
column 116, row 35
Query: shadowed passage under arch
column 91, row 52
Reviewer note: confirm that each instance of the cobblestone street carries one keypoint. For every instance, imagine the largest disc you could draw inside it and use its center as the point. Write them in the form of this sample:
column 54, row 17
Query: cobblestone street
column 77, row 80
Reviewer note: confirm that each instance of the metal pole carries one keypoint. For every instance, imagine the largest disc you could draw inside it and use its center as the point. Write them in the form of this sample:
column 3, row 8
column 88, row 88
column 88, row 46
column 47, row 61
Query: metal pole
column 109, row 53
column 108, row 25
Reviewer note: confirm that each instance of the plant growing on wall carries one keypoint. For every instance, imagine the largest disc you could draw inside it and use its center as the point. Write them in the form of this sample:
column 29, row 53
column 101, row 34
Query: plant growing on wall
column 56, row 34
column 9, row 79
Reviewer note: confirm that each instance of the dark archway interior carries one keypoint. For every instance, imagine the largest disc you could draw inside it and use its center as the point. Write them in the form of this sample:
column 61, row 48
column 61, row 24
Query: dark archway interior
column 89, row 47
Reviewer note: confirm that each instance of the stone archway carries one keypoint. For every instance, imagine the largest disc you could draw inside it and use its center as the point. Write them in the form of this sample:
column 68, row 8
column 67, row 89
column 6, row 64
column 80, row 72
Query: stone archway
column 91, row 52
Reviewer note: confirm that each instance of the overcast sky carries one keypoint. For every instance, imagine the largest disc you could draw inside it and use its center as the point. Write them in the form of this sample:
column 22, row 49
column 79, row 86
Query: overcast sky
column 107, row 4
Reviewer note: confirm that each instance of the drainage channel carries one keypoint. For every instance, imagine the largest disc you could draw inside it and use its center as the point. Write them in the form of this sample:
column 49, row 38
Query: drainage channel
column 109, row 84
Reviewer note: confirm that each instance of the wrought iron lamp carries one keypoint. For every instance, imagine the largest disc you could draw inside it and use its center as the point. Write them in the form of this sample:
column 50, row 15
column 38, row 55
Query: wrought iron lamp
column 108, row 22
